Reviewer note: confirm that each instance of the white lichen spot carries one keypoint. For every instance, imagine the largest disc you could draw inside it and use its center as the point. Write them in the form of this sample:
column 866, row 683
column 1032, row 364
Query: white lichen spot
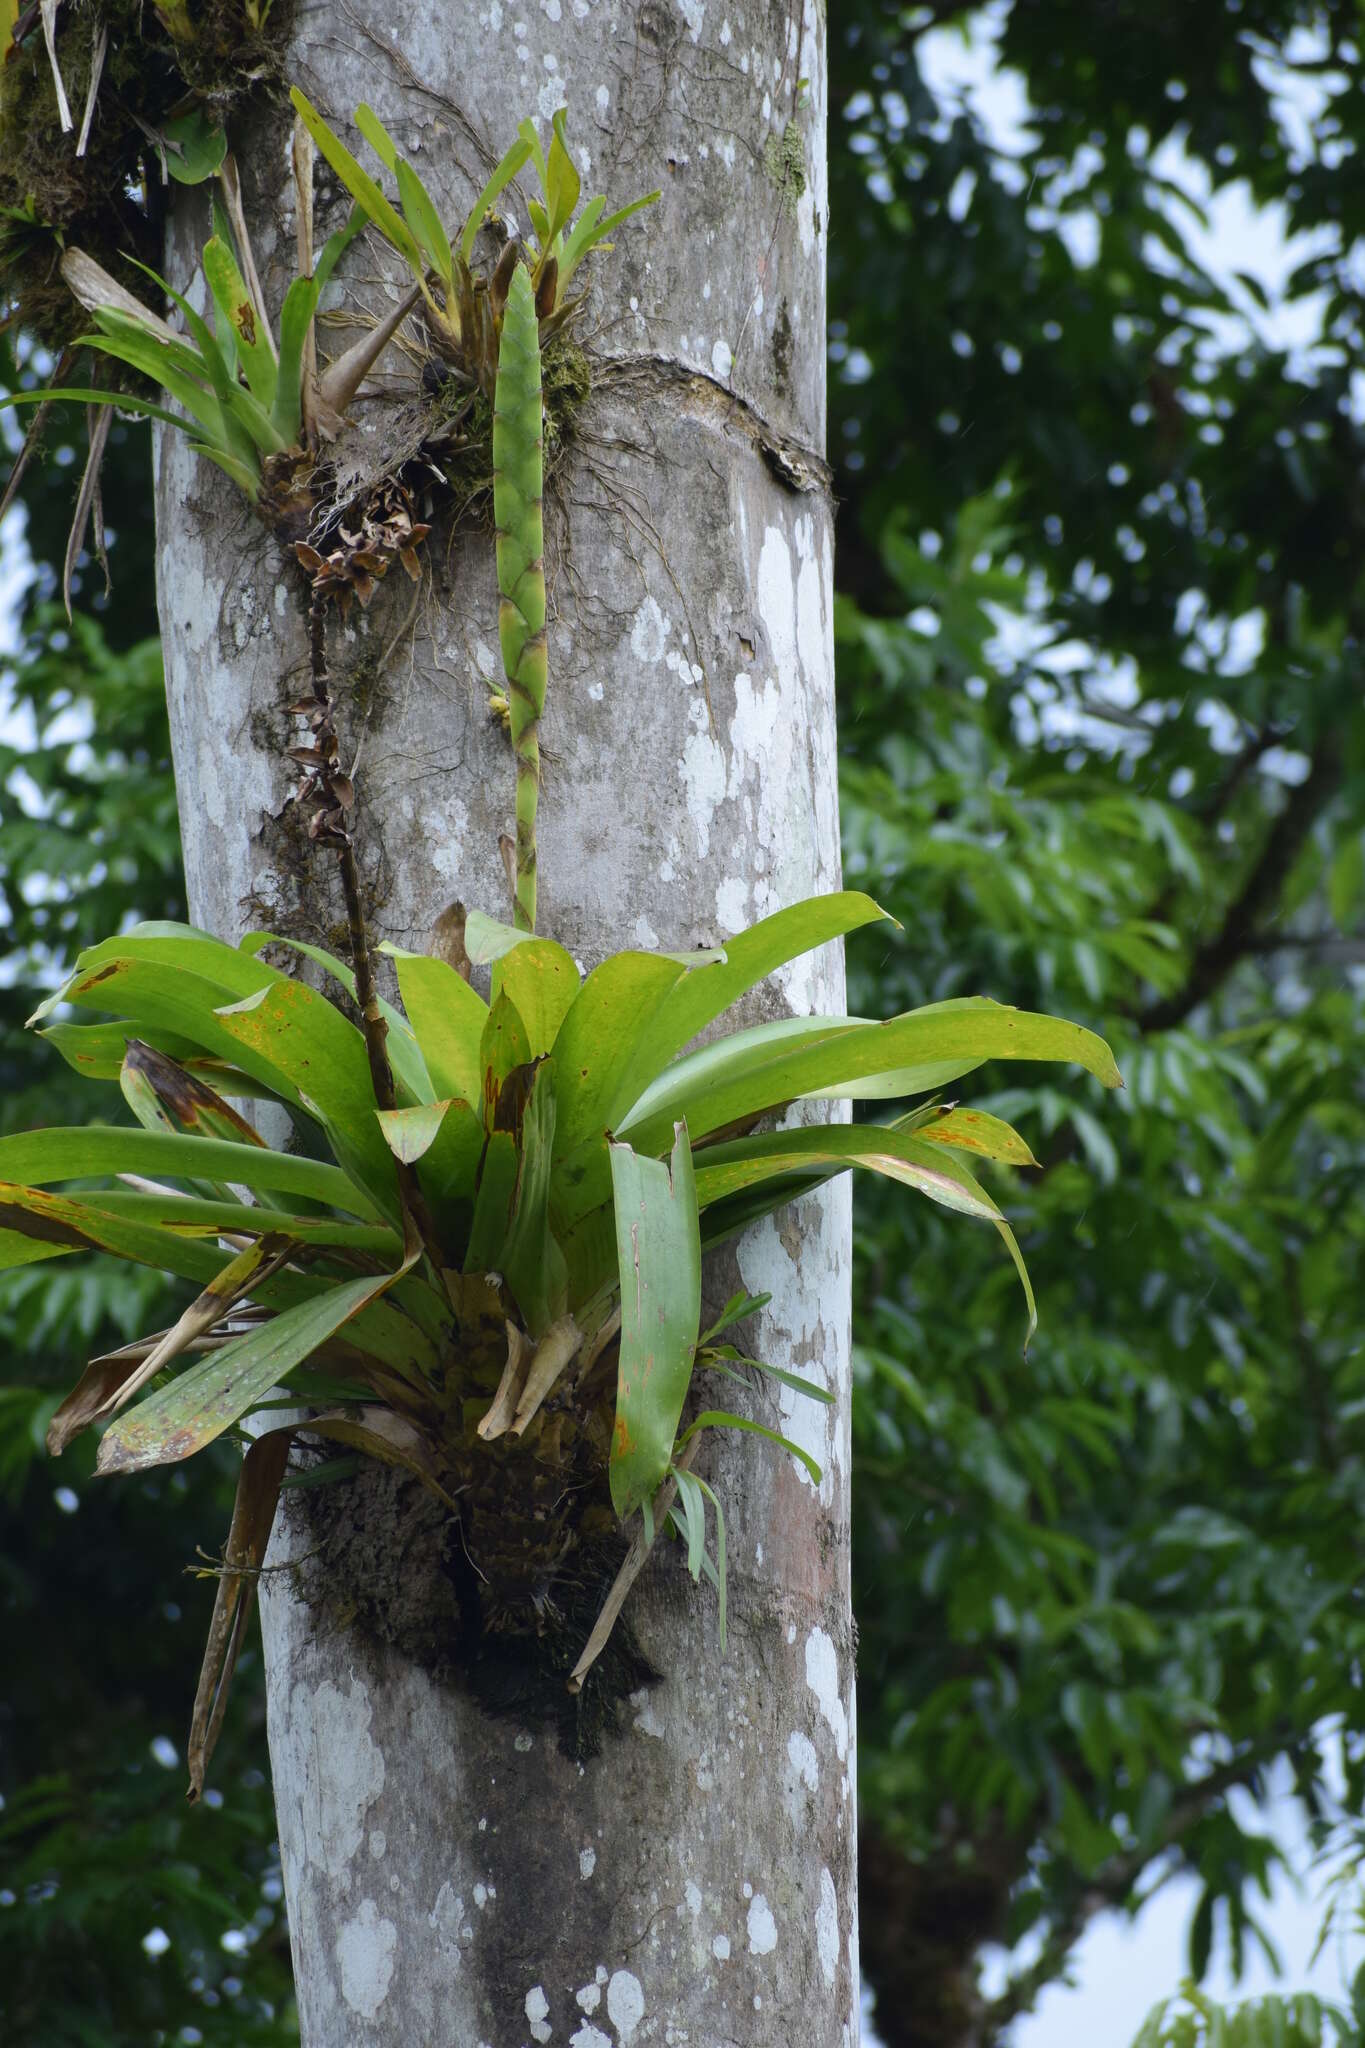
column 603, row 98
column 281, row 599
column 692, row 1894
column 732, row 904
column 725, row 150
column 625, row 2004
column 702, row 773
column 827, row 1930
column 747, row 1889
column 379, row 1842
column 590, row 1997
column 551, row 8
column 722, row 360
column 725, row 33
column 364, row 1950
column 767, row 100
column 596, row 692
column 524, row 1742
column 762, row 1927
column 720, row 1948
column 646, row 1718
column 805, row 1765
column 693, row 13
column 550, row 98
column 822, row 1676
column 342, row 1768
column 446, row 1918
column 537, row 2006
column 649, row 633
column 589, row 2036
column 587, row 1862
column 481, row 1896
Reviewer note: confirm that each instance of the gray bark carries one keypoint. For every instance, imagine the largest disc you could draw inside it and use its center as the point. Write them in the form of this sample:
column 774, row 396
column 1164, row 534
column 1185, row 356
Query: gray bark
column 453, row 1876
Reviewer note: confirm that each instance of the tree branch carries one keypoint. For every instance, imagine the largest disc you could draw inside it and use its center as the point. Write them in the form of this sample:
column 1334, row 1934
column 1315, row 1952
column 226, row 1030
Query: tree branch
column 1215, row 960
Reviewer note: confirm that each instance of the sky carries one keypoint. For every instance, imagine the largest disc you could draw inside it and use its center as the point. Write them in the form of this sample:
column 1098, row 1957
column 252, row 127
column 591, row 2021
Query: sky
column 1122, row 1967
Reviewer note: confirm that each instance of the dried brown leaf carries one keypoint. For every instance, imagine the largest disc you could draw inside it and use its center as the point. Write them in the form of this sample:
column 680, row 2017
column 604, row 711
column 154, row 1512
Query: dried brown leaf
column 253, row 1517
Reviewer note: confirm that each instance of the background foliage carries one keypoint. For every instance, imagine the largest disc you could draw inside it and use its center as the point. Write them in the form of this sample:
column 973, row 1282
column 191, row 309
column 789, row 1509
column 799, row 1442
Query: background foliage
column 1104, row 753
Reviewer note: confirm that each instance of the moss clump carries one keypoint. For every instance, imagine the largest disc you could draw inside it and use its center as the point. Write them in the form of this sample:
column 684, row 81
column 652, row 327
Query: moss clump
column 467, row 459
column 159, row 63
column 784, row 160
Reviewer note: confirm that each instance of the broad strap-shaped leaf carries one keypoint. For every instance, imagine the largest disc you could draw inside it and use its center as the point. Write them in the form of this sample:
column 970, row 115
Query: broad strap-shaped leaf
column 290, row 1035
column 598, row 1040
column 720, row 1418
column 727, row 1171
column 750, row 957
column 405, row 1056
column 541, row 981
column 359, row 183
column 254, row 345
column 504, row 1051
column 98, row 1050
column 220, row 1389
column 659, row 1255
column 74, row 1223
column 444, row 1140
column 493, row 1204
column 205, row 1216
column 531, row 1261
column 108, row 1384
column 503, row 174
column 447, row 1017
column 974, row 1130
column 589, row 230
column 85, row 1151
column 786, row 1068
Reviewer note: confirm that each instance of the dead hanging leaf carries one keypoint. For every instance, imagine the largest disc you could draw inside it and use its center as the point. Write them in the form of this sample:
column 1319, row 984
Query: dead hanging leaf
column 547, row 290
column 342, row 379
column 109, row 1384
column 100, row 419
column 379, row 1433
column 92, row 286
column 447, row 940
column 48, row 10
column 556, row 1349
column 253, row 1517
column 499, row 1418
column 99, row 49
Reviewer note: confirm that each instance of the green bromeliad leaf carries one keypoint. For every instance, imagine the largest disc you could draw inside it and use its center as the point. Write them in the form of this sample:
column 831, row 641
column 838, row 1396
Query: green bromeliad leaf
column 659, row 1254
column 447, row 1017
column 220, row 1389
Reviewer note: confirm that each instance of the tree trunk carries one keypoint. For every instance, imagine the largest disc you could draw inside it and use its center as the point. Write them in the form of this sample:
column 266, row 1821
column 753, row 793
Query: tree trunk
column 460, row 1866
